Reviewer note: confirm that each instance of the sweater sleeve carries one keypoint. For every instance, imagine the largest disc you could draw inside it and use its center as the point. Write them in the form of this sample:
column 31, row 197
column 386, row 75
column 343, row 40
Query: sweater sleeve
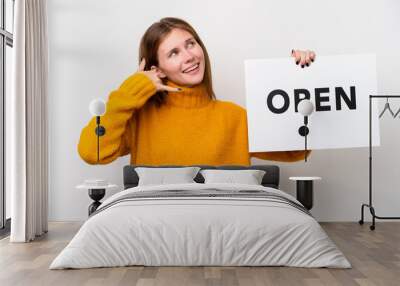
column 283, row 156
column 118, row 121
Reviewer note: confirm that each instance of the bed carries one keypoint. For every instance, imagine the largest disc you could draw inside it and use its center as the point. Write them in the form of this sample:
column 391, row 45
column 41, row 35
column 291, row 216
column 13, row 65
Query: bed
column 201, row 224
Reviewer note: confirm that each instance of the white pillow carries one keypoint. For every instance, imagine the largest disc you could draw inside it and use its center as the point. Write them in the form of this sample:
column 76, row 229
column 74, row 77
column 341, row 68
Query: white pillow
column 162, row 176
column 249, row 177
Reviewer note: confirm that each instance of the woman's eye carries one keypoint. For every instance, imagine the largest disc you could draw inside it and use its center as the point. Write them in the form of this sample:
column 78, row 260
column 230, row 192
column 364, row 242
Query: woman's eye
column 191, row 44
column 172, row 54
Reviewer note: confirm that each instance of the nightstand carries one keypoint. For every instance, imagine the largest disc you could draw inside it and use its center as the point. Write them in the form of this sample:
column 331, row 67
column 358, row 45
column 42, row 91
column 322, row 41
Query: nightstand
column 96, row 190
column 304, row 190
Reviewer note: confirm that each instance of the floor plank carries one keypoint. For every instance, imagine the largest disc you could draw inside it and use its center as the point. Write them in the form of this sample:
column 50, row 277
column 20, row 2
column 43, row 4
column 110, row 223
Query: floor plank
column 374, row 255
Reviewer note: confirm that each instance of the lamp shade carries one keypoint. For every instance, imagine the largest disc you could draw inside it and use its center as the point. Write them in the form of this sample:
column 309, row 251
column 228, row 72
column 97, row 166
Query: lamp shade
column 97, row 107
column 305, row 107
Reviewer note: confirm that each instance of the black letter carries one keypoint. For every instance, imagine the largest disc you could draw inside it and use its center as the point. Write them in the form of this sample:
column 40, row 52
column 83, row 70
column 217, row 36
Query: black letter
column 351, row 103
column 319, row 99
column 271, row 96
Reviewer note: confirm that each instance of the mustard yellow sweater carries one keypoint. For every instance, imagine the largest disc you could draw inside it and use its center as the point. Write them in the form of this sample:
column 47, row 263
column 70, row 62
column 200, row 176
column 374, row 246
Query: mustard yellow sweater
column 189, row 129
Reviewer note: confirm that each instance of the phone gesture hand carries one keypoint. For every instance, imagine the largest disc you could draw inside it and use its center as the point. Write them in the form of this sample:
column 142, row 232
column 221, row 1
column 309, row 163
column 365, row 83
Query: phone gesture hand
column 154, row 75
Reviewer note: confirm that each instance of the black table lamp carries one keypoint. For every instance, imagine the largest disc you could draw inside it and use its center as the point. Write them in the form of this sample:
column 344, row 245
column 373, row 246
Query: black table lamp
column 305, row 107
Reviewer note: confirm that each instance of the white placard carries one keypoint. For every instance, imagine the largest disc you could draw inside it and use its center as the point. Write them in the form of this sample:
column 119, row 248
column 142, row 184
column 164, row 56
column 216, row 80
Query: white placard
column 338, row 86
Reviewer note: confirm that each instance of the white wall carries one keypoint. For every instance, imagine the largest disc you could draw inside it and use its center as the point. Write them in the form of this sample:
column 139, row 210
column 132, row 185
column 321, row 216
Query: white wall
column 94, row 47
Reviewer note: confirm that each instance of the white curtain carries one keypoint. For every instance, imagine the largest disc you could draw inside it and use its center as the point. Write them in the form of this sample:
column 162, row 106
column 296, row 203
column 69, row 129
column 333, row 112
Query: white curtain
column 27, row 122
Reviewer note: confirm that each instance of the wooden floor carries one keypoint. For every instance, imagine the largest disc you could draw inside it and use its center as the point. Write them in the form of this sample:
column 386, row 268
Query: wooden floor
column 375, row 257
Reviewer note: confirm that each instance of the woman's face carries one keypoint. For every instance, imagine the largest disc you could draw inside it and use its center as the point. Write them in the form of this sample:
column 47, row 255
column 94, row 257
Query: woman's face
column 181, row 58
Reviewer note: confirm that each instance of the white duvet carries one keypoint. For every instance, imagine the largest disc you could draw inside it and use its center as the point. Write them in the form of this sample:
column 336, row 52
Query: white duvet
column 200, row 231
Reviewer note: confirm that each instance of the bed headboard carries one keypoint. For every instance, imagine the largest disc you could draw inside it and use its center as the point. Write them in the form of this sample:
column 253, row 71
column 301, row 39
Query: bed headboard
column 270, row 179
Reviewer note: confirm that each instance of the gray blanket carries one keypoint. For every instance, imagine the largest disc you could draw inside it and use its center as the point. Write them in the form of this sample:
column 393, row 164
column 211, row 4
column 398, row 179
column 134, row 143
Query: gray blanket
column 204, row 194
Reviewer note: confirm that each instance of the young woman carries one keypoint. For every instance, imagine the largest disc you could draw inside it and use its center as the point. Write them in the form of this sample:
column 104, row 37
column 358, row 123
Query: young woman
column 167, row 113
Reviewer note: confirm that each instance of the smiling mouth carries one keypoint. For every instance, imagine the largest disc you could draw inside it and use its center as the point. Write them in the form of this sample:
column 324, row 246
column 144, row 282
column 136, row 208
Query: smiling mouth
column 192, row 69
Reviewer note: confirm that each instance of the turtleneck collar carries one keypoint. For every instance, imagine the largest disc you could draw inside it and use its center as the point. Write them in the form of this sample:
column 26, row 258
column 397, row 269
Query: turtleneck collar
column 189, row 97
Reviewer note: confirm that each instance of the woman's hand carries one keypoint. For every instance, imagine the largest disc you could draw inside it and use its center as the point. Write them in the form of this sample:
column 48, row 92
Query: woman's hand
column 304, row 58
column 155, row 77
